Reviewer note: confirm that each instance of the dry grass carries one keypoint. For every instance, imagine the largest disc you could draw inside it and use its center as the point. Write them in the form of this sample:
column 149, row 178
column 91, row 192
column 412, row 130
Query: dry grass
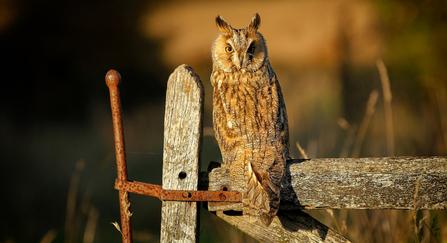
column 90, row 228
column 303, row 153
column 387, row 97
column 117, row 226
column 441, row 98
column 70, row 223
column 350, row 137
column 370, row 109
column 49, row 236
column 383, row 225
column 76, row 217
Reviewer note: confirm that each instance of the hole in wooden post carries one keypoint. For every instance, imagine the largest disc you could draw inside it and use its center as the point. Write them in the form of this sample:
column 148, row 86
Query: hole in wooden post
column 224, row 188
column 182, row 175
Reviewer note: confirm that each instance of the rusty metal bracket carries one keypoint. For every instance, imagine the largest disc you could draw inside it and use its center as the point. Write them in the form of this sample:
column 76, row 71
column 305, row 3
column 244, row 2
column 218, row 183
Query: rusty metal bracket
column 174, row 195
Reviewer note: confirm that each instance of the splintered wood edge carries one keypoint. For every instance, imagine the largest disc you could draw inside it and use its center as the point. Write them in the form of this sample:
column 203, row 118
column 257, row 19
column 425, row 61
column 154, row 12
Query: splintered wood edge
column 181, row 156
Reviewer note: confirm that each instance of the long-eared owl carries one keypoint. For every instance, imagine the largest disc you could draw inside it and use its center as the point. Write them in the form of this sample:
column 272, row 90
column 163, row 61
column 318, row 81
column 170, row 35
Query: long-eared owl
column 249, row 118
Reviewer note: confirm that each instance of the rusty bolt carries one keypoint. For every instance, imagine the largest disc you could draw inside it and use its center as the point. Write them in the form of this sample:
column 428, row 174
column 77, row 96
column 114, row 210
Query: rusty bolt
column 222, row 197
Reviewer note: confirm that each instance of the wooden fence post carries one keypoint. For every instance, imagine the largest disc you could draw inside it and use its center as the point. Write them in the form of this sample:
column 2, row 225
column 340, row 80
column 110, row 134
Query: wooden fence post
column 182, row 147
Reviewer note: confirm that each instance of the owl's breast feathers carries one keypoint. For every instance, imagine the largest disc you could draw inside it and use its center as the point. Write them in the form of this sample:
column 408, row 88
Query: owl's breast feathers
column 250, row 124
column 249, row 108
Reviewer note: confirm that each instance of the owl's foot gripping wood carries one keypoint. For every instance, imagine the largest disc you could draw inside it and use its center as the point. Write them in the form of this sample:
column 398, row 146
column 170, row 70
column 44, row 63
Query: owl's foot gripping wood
column 260, row 197
column 261, row 200
column 219, row 180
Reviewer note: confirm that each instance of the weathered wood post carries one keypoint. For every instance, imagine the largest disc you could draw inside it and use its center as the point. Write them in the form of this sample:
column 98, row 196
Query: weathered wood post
column 182, row 147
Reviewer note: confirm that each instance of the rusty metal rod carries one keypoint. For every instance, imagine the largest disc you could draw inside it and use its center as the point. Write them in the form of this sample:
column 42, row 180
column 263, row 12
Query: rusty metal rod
column 113, row 80
column 177, row 195
column 138, row 188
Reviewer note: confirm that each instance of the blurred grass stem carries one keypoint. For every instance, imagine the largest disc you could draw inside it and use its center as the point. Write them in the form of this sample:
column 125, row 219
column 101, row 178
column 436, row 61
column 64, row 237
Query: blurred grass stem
column 370, row 109
column 71, row 202
column 417, row 228
column 49, row 236
column 387, row 97
column 301, row 151
column 350, row 135
column 90, row 228
column 441, row 96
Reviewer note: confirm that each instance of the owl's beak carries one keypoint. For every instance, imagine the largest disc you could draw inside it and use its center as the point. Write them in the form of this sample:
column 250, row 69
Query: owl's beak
column 241, row 59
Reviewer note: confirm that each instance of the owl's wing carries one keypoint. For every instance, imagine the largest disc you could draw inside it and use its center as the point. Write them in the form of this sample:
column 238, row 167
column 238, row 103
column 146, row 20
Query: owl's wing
column 265, row 172
column 273, row 127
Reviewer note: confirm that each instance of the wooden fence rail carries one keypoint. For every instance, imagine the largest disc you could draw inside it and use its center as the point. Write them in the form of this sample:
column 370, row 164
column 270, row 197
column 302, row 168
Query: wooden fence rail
column 363, row 183
column 371, row 183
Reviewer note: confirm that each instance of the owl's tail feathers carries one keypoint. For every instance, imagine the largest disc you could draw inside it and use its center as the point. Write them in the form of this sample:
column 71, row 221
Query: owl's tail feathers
column 260, row 202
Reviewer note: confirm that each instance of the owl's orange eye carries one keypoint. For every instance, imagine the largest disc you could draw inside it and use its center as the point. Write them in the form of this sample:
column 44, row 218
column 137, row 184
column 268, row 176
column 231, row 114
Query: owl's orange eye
column 229, row 49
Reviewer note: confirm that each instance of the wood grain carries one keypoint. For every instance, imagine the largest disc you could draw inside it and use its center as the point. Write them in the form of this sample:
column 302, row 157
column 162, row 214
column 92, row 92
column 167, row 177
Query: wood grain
column 371, row 183
column 182, row 145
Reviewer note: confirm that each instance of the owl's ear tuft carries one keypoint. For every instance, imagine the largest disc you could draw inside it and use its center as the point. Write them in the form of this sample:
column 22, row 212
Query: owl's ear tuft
column 222, row 24
column 255, row 23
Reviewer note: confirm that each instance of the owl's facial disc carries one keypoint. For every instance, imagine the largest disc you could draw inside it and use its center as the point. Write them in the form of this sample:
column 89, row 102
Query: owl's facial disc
column 237, row 50
column 242, row 51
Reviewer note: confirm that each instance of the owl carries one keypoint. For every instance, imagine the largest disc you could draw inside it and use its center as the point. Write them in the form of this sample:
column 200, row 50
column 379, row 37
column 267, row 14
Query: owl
column 249, row 118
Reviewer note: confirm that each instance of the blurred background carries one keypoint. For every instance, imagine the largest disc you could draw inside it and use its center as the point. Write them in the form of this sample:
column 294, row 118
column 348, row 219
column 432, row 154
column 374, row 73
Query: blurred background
column 56, row 138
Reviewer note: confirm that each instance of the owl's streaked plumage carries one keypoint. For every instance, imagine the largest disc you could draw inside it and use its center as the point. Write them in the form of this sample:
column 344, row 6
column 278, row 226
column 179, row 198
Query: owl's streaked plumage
column 249, row 117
